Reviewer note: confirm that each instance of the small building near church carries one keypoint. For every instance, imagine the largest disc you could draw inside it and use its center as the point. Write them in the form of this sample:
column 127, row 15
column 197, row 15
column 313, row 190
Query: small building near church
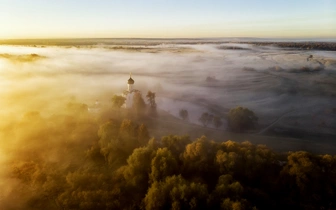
column 95, row 108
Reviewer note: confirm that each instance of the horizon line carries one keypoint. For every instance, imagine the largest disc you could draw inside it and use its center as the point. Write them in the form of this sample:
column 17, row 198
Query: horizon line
column 166, row 38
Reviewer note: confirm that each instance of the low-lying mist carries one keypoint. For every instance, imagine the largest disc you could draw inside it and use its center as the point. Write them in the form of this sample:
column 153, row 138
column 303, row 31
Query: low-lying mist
column 269, row 80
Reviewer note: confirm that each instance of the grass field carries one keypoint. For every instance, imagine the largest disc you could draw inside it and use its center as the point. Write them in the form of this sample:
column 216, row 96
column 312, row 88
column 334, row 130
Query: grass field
column 166, row 124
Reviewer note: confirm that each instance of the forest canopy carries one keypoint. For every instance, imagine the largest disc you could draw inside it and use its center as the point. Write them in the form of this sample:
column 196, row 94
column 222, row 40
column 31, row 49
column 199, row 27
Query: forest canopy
column 88, row 163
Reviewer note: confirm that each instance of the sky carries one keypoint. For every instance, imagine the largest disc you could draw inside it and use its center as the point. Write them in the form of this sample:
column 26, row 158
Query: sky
column 167, row 18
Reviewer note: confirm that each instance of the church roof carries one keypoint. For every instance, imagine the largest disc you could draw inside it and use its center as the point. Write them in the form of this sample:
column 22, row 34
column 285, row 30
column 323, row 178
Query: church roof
column 130, row 80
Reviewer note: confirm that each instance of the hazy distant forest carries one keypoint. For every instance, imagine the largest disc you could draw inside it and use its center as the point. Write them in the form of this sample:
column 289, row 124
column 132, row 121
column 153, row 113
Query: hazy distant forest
column 194, row 138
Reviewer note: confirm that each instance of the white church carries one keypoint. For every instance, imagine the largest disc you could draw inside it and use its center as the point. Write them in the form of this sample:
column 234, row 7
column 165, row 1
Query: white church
column 129, row 93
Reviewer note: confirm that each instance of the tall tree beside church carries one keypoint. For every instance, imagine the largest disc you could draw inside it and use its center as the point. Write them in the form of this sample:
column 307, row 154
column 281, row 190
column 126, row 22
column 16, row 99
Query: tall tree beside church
column 151, row 99
column 118, row 101
column 139, row 105
column 152, row 104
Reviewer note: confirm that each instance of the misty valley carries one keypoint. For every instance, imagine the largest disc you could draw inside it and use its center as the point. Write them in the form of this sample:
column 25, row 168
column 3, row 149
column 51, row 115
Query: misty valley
column 199, row 124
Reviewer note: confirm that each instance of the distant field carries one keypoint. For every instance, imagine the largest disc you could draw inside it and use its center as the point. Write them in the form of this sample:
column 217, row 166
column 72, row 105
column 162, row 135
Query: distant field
column 166, row 124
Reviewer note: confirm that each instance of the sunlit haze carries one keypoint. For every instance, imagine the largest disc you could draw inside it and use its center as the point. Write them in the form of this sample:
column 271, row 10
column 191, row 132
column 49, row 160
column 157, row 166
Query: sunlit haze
column 167, row 104
column 167, row 19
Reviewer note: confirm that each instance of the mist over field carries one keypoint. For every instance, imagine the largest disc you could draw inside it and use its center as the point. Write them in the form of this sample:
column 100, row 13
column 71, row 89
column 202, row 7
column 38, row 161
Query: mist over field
column 44, row 89
column 210, row 77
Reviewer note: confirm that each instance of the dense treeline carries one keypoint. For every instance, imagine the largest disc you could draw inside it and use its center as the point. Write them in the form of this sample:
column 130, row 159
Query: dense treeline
column 75, row 162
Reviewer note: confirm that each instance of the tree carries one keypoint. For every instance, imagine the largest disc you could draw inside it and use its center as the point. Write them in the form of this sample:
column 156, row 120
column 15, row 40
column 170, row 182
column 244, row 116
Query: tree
column 143, row 135
column 184, row 114
column 152, row 104
column 118, row 101
column 198, row 158
column 108, row 133
column 217, row 122
column 128, row 132
column 227, row 194
column 176, row 193
column 136, row 173
column 206, row 118
column 241, row 119
column 301, row 166
column 138, row 103
column 163, row 164
column 176, row 144
column 151, row 99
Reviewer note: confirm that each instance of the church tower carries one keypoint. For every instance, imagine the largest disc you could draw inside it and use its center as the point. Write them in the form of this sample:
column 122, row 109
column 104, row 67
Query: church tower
column 128, row 94
column 130, row 83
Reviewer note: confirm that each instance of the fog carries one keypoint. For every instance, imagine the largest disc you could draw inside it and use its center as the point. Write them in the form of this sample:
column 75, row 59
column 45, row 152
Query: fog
column 269, row 80
column 291, row 91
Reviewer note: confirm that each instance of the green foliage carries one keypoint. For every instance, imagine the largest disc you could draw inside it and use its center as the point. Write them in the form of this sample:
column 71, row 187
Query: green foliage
column 117, row 141
column 138, row 166
column 108, row 133
column 228, row 194
column 152, row 104
column 151, row 99
column 217, row 121
column 142, row 134
column 76, row 163
column 136, row 173
column 139, row 105
column 118, row 101
column 128, row 130
column 176, row 144
column 198, row 156
column 153, row 144
column 132, row 135
column 206, row 119
column 184, row 114
column 241, row 119
column 176, row 193
column 163, row 164
column 96, row 154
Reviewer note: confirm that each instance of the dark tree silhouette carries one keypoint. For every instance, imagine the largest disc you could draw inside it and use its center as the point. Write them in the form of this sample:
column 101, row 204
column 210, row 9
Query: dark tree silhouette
column 241, row 119
column 184, row 114
column 217, row 121
column 151, row 99
column 139, row 105
column 206, row 119
column 152, row 104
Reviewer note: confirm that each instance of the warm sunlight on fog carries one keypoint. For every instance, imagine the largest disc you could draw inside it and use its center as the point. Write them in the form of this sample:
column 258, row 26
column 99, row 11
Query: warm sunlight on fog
column 43, row 78
column 158, row 104
column 52, row 141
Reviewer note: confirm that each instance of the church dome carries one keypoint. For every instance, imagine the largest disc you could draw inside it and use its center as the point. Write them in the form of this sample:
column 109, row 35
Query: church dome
column 130, row 81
